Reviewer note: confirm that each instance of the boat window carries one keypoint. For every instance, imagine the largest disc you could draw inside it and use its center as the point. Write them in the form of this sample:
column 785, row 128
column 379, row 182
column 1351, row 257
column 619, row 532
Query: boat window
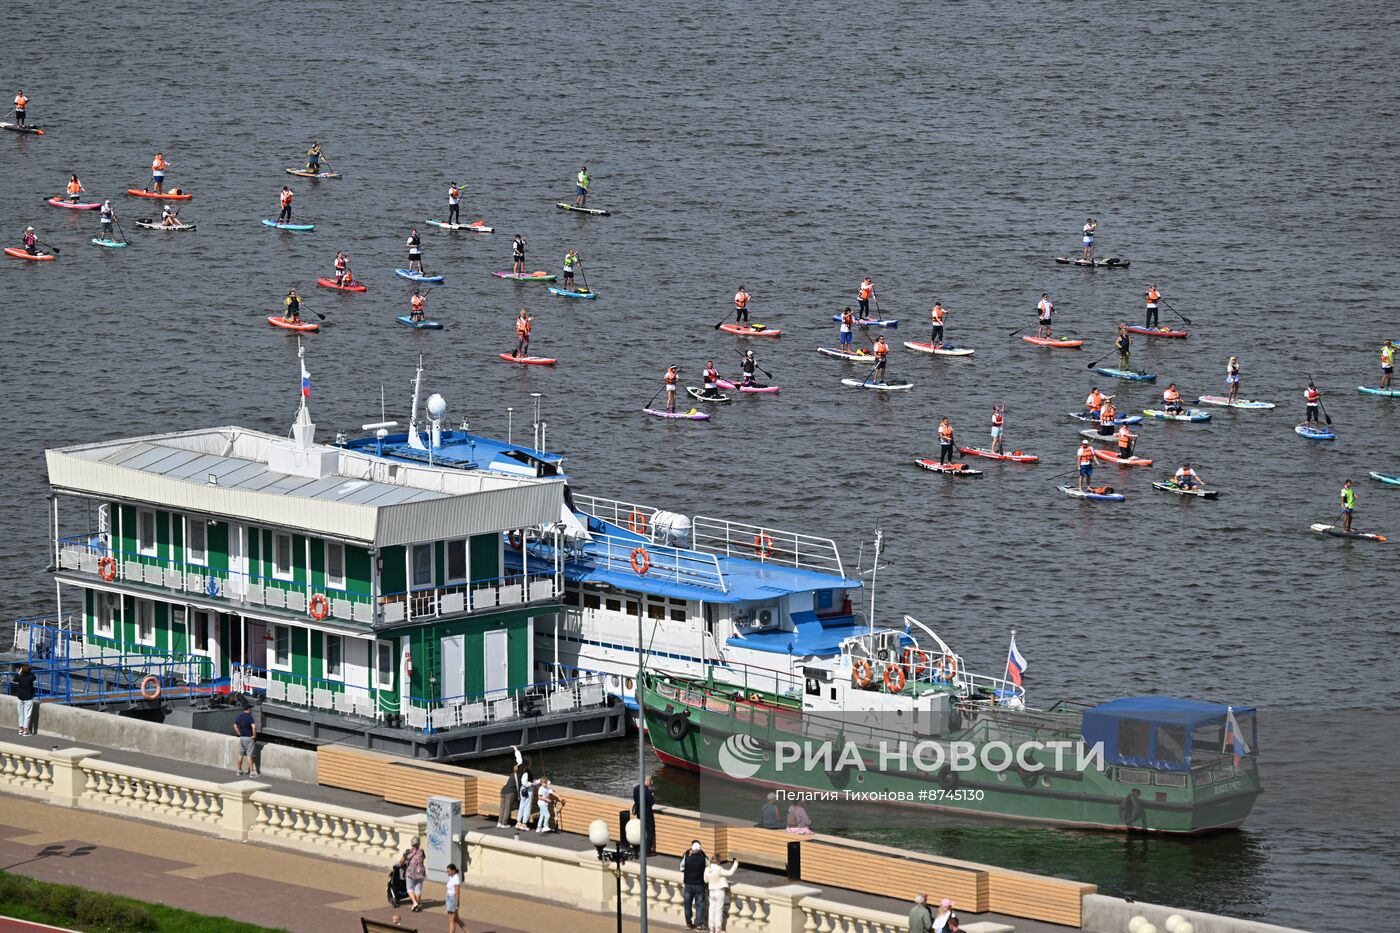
column 384, row 664
column 676, row 602
column 282, row 556
column 592, row 601
column 199, row 634
column 678, row 613
column 760, row 717
column 614, row 605
column 282, row 647
column 422, row 565
column 743, row 712
column 1246, row 723
column 196, row 540
column 335, row 565
column 457, row 560
column 146, row 532
column 1207, row 740
column 335, row 649
column 632, row 608
column 1134, row 739
column 1171, row 743
column 655, row 612
column 571, row 597
column 145, row 622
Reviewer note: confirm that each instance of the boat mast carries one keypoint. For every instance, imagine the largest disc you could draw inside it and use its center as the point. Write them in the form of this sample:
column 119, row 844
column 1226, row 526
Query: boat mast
column 414, row 440
column 874, row 569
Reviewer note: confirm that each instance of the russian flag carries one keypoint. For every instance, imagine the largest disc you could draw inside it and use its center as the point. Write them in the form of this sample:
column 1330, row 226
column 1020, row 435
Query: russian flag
column 1015, row 664
column 1234, row 738
column 305, row 382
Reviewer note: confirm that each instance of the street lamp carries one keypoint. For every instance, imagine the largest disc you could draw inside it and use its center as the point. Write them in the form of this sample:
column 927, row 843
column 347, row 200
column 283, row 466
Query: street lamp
column 620, row 854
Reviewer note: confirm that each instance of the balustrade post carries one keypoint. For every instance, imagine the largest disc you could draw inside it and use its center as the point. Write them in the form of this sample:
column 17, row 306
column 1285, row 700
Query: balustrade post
column 409, row 826
column 785, row 907
column 239, row 813
column 598, row 887
column 69, row 781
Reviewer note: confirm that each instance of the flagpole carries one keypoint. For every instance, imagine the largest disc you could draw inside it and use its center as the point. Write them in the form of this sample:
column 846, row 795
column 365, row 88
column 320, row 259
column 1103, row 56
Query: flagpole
column 1007, row 669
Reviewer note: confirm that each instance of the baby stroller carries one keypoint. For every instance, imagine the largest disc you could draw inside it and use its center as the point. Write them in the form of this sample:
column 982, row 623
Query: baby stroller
column 397, row 888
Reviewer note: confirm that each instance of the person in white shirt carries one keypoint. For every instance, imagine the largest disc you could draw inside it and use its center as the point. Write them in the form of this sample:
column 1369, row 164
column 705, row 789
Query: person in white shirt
column 717, row 881
column 454, row 887
column 940, row 919
column 542, row 794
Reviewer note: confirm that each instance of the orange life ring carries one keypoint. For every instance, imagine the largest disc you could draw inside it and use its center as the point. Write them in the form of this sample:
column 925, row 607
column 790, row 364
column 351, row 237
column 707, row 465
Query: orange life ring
column 894, row 678
column 319, row 607
column 641, row 560
column 515, row 539
column 862, row 673
column 946, row 667
column 107, row 568
column 910, row 654
column 763, row 545
column 637, row 522
column 150, row 687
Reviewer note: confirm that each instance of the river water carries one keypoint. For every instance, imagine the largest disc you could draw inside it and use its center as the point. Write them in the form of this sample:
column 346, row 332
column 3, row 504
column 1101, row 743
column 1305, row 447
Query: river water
column 1241, row 155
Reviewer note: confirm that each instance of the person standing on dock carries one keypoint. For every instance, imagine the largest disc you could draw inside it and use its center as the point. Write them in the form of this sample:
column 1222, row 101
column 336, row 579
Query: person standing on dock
column 246, row 728
column 415, row 869
column 693, row 865
column 644, row 801
column 510, row 791
column 944, row 916
column 23, row 689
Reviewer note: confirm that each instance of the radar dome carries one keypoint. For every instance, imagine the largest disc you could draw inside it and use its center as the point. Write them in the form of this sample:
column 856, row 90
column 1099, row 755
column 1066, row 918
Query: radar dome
column 437, row 405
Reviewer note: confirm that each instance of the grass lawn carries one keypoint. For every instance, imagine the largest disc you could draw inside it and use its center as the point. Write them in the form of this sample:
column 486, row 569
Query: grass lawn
column 95, row 912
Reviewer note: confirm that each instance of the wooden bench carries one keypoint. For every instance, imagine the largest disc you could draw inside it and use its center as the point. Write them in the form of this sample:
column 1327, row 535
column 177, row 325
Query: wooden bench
column 1054, row 900
column 766, row 848
column 411, row 783
column 901, row 876
column 353, row 769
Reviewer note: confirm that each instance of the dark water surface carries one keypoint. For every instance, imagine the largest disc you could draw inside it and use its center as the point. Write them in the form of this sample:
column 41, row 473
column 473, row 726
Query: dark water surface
column 1241, row 155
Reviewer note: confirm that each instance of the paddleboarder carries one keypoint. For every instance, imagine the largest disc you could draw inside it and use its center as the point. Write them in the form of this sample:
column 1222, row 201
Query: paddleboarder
column 1086, row 464
column 581, row 181
column 292, row 304
column 313, row 158
column 1125, row 442
column 741, row 305
column 1313, row 400
column 523, row 325
column 945, row 442
column 1152, row 296
column 710, row 377
column 1171, row 399
column 517, row 249
column 167, row 216
column 1232, row 379
column 1123, row 345
column 747, row 365
column 1091, row 226
column 342, row 266
column 882, row 352
column 1187, row 478
column 454, row 203
column 1107, row 416
column 284, row 216
column 75, row 188
column 1348, row 504
column 31, row 242
column 1094, row 403
column 863, row 296
column 672, row 375
column 415, row 252
column 936, row 317
column 415, row 306
column 107, row 216
column 158, row 167
column 1046, row 307
column 1387, row 363
column 998, row 418
column 570, row 261
column 848, row 321
column 21, row 107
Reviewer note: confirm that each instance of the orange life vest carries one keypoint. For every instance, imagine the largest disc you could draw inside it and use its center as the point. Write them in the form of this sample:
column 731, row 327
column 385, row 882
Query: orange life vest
column 21, row 101
column 1086, row 454
column 157, row 164
column 74, row 187
column 418, row 301
column 286, row 198
column 945, row 431
column 522, row 326
column 867, row 288
column 741, row 299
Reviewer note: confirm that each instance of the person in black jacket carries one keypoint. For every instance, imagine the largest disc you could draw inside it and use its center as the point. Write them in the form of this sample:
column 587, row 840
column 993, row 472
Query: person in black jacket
column 639, row 793
column 24, row 692
column 693, row 869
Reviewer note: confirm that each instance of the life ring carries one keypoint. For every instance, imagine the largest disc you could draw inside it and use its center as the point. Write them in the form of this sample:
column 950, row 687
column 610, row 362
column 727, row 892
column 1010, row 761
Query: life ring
column 515, row 540
column 948, row 778
column 1131, row 809
column 641, row 560
column 637, row 522
column 763, row 545
column 946, row 667
column 862, row 673
column 319, row 607
column 894, row 678
column 677, row 727
column 150, row 687
column 107, row 568
column 918, row 666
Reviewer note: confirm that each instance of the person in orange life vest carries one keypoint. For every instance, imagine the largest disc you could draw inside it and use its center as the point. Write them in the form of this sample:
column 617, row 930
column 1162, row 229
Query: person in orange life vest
column 998, row 418
column 454, row 204
column 741, row 305
column 1107, row 415
column 1046, row 307
column 1187, row 478
column 342, row 267
column 1086, row 464
column 848, row 321
column 21, row 105
column 882, row 352
column 1153, row 296
column 31, row 242
column 75, row 188
column 1094, row 402
column 284, row 216
column 936, row 316
column 158, row 167
column 1171, row 399
column 710, row 377
column 945, row 441
column 1125, row 442
column 672, row 374
column 523, row 325
column 864, row 294
column 416, row 304
column 1313, row 398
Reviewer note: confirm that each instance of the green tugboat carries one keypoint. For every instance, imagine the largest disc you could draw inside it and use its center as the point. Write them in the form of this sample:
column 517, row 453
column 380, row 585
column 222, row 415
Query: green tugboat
column 896, row 720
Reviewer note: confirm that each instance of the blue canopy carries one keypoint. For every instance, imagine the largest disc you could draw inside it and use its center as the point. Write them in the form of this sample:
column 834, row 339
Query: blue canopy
column 1154, row 731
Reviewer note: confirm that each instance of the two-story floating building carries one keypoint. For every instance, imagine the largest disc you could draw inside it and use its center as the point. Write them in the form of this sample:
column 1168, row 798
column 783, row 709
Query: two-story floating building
column 364, row 600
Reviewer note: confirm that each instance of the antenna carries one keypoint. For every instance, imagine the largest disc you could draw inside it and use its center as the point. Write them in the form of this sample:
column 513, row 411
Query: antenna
column 875, row 569
column 510, row 424
column 537, row 396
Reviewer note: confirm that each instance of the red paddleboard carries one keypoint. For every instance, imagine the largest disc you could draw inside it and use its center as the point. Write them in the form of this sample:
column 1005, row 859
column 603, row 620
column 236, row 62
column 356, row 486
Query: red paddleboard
column 60, row 202
column 21, row 254
column 529, row 360
column 177, row 195
column 755, row 330
column 1111, row 456
column 1015, row 455
column 1053, row 341
column 303, row 327
column 1153, row 331
column 353, row 287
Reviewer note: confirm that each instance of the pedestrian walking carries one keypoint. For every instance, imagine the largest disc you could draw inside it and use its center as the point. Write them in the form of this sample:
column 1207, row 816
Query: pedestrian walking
column 944, row 916
column 23, row 689
column 644, row 798
column 920, row 917
column 717, row 880
column 415, row 869
column 694, row 865
column 246, row 728
column 454, row 890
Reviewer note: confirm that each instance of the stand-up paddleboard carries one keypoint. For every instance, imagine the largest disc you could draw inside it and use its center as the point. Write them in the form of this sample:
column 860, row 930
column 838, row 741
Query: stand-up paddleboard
column 951, row 469
column 878, row 386
column 1224, row 400
column 1194, row 415
column 32, row 257
column 305, row 327
column 751, row 330
column 176, row 195
column 1015, row 456
column 1094, row 496
column 1389, row 393
column 566, row 293
column 408, row 321
column 62, row 202
column 294, row 228
column 1315, row 433
column 303, row 173
column 870, row 321
column 157, row 225
column 699, row 393
column 1111, row 456
column 525, row 276
column 110, row 244
column 1387, row 478
column 1110, row 263
column 16, row 128
column 691, row 415
column 529, row 360
column 942, row 349
column 1154, row 331
column 1337, row 532
column 753, row 389
column 418, row 277
column 1183, row 491
column 566, row 206
column 1093, row 419
column 476, row 226
column 1097, row 438
column 1052, row 341
column 1129, row 375
column 847, row 355
column 352, row 287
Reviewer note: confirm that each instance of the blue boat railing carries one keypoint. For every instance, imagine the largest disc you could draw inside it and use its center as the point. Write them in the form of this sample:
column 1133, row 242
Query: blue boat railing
column 78, row 668
column 641, row 558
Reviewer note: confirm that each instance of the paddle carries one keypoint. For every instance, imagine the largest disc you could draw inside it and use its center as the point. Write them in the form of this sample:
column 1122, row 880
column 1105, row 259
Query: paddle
column 1101, row 359
column 1183, row 317
column 119, row 227
column 876, row 298
column 52, row 249
column 757, row 367
column 582, row 275
column 654, row 397
column 1320, row 406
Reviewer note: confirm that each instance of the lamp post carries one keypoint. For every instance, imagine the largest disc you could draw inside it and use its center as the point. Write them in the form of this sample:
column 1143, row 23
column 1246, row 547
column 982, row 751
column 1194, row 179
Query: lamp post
column 618, row 856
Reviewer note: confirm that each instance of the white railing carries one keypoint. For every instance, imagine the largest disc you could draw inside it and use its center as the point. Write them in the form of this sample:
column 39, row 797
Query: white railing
column 622, row 514
column 657, row 561
column 477, row 596
column 766, row 545
column 308, row 826
column 25, row 768
column 174, row 799
column 825, row 916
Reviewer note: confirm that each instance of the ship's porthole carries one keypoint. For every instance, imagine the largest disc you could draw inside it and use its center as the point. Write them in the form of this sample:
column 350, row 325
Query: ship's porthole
column 860, row 778
column 767, row 756
column 1045, row 780
column 629, row 683
column 1001, row 776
